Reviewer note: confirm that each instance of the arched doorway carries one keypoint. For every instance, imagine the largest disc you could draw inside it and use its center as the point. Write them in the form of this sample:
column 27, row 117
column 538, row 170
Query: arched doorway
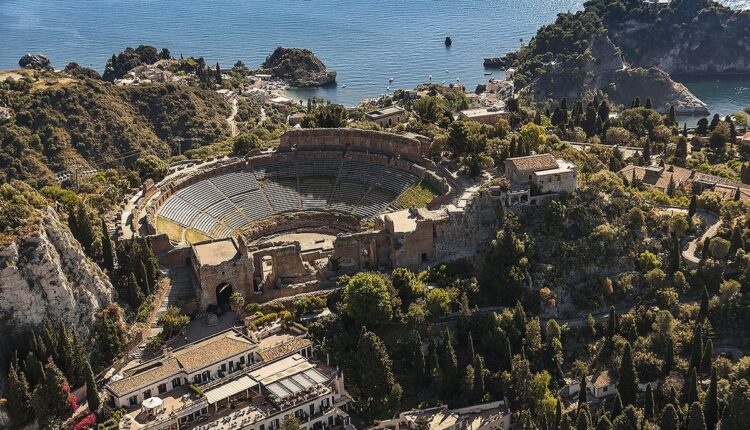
column 224, row 296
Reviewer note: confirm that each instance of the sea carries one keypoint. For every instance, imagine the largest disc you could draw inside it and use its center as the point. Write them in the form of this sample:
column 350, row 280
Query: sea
column 375, row 46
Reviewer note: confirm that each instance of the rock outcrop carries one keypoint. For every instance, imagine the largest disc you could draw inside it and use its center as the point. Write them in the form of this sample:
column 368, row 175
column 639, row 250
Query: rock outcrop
column 34, row 61
column 606, row 72
column 45, row 274
column 298, row 68
column 690, row 37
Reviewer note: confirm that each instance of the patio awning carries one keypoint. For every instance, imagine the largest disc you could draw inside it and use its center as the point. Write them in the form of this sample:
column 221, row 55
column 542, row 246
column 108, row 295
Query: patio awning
column 230, row 389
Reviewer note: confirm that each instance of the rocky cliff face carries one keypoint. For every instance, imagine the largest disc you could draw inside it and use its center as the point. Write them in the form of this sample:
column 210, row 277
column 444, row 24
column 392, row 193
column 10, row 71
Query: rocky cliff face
column 45, row 274
column 606, row 72
column 691, row 37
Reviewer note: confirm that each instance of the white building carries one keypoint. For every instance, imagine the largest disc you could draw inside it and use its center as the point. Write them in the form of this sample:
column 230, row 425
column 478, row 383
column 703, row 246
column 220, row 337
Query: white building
column 602, row 384
column 387, row 117
column 545, row 172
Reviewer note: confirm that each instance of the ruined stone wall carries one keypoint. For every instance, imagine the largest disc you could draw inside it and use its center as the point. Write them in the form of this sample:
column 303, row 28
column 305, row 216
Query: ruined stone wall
column 414, row 248
column 350, row 138
column 464, row 233
column 238, row 272
column 360, row 251
column 322, row 221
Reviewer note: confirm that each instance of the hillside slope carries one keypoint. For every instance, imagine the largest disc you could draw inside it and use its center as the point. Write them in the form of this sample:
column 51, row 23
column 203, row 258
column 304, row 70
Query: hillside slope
column 60, row 121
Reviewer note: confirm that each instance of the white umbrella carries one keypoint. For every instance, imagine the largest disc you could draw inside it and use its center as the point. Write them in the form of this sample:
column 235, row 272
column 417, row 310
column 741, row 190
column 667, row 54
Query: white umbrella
column 152, row 403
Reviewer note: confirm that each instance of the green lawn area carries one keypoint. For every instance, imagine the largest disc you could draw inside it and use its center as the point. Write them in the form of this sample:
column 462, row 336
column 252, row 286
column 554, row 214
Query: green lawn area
column 418, row 195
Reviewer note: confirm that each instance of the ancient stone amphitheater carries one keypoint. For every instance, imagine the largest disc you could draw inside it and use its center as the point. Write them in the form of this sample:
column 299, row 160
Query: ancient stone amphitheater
column 324, row 202
column 355, row 173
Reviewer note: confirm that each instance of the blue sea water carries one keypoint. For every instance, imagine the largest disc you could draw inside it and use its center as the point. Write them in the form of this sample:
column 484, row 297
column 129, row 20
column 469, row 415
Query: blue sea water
column 365, row 41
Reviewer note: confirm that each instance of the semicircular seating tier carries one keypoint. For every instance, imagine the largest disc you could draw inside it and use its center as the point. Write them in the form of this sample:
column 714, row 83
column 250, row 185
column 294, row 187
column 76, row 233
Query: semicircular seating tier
column 224, row 204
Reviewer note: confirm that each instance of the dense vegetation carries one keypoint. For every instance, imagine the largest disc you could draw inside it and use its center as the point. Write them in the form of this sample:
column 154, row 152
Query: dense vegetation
column 61, row 122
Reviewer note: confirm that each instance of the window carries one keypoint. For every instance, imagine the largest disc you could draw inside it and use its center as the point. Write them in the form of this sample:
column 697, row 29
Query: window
column 162, row 388
column 133, row 400
column 231, row 366
column 605, row 389
column 529, row 177
column 176, row 382
column 242, row 360
column 197, row 379
column 146, row 394
column 223, row 367
column 262, row 427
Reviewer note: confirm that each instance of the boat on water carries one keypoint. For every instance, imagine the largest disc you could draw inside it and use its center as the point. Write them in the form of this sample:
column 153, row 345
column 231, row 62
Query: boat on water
column 487, row 73
column 391, row 79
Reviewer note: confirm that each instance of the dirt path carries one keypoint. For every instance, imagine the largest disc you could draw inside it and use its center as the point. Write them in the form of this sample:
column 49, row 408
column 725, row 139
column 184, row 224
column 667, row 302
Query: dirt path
column 232, row 123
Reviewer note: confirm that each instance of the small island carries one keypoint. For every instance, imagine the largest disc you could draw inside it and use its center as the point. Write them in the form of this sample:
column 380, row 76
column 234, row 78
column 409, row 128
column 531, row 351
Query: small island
column 297, row 67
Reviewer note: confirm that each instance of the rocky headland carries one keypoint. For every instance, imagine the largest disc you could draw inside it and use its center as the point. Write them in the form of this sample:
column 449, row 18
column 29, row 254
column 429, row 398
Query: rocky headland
column 623, row 51
column 298, row 68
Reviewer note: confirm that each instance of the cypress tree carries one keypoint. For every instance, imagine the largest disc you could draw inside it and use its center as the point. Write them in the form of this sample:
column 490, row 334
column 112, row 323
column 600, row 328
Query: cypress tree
column 703, row 312
column 647, row 153
column 582, row 395
column 478, row 385
column 711, row 402
column 691, row 387
column 34, row 369
column 672, row 117
column 636, row 102
column 669, row 358
column 374, row 372
column 470, row 353
column 612, row 323
column 92, row 391
column 604, row 423
column 558, row 413
column 18, row 396
column 669, row 419
column 65, row 353
column 135, row 295
column 448, row 365
column 508, row 355
column 696, row 349
column 736, row 240
column 708, row 354
column 648, row 104
column 143, row 279
column 466, row 388
column 705, row 251
column 695, row 419
column 108, row 257
column 650, row 405
column 419, row 360
column 616, row 406
column 50, row 398
column 583, row 421
column 565, row 423
column 434, row 365
column 693, row 206
column 627, row 385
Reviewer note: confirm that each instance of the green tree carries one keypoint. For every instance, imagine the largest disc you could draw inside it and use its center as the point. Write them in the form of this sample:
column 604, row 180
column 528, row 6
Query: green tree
column 691, row 386
column 478, row 393
column 18, row 396
column 244, row 143
column 290, row 422
column 377, row 387
column 407, row 284
column 150, row 166
column 649, row 407
column 173, row 321
column 92, row 391
column 108, row 256
column 695, row 418
column 448, row 365
column 604, row 423
column 420, row 363
column 711, row 402
column 50, row 397
column 612, row 323
column 696, row 348
column 627, row 384
column 669, row 419
column 368, row 299
column 737, row 412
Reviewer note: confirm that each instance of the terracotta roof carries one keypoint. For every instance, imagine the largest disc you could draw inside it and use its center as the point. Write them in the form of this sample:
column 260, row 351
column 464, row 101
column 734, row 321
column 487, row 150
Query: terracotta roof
column 187, row 359
column 212, row 350
column 286, row 348
column 603, row 379
column 746, row 137
column 151, row 372
column 534, row 163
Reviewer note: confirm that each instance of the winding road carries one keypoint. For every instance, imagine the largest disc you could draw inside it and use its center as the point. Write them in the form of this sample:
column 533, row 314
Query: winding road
column 230, row 120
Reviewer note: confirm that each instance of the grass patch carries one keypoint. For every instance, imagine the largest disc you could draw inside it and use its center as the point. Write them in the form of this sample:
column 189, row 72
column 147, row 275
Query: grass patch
column 194, row 236
column 419, row 195
column 171, row 228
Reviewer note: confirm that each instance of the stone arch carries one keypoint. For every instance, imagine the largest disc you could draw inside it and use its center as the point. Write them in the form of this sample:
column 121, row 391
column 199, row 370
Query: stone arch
column 224, row 296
